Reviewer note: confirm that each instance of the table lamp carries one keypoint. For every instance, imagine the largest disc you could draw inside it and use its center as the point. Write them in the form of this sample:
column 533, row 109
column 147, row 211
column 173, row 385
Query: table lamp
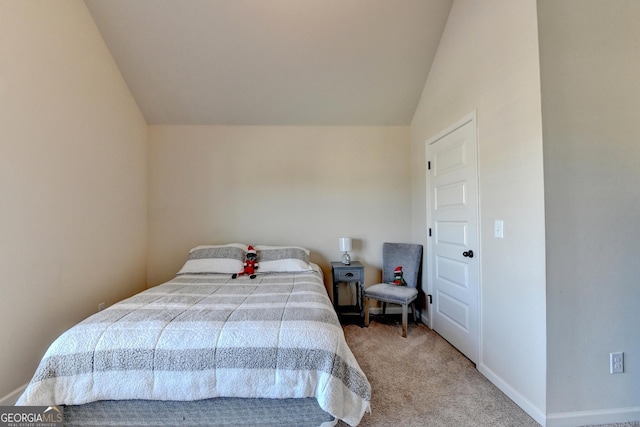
column 345, row 247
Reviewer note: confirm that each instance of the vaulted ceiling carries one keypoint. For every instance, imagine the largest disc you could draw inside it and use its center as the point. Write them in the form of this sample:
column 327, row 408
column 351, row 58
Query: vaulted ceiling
column 273, row 62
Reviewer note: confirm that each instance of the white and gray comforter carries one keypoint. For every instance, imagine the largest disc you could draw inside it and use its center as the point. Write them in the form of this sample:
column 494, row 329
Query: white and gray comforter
column 204, row 336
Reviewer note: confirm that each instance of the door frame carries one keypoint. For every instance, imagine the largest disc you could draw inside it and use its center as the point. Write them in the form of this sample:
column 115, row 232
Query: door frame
column 469, row 118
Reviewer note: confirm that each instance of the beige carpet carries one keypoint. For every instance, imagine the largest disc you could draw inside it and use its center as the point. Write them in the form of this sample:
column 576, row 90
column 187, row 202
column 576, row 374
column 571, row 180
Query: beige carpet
column 422, row 380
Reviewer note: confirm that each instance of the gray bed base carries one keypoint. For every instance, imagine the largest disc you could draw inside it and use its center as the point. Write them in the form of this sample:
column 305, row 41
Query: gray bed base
column 209, row 412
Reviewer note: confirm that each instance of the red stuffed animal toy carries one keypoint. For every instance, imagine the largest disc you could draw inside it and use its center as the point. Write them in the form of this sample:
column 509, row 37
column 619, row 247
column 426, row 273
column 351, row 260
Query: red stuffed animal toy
column 397, row 277
column 250, row 264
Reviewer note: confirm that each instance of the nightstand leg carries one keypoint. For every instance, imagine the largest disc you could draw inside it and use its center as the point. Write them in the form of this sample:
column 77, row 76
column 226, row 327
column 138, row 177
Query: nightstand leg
column 366, row 312
column 360, row 295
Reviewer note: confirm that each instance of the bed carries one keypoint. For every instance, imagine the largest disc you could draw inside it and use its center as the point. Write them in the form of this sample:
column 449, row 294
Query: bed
column 206, row 338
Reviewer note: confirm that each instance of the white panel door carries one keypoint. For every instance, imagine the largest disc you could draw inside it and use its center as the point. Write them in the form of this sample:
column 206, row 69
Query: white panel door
column 453, row 223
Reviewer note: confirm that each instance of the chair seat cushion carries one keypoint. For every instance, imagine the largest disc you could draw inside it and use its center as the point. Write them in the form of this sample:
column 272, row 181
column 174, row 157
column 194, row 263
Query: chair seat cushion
column 391, row 293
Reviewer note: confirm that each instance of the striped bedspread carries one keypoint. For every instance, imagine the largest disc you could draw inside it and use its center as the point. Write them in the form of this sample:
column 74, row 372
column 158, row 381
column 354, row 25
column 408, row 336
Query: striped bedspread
column 203, row 336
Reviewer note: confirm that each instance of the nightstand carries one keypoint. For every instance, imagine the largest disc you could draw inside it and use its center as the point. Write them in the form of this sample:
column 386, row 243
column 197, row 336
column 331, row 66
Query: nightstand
column 351, row 273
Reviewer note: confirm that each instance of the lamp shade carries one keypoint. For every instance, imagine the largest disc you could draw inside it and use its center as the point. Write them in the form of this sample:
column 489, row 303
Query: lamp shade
column 345, row 244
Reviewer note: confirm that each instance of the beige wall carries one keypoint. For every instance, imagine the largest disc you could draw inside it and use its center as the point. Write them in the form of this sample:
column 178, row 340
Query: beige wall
column 487, row 61
column 590, row 63
column 277, row 185
column 73, row 189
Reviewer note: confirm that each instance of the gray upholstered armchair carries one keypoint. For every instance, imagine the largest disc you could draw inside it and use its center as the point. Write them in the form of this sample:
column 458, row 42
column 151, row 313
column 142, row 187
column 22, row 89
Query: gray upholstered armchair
column 409, row 256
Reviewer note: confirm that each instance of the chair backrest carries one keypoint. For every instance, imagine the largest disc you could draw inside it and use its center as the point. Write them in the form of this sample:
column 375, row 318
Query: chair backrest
column 408, row 255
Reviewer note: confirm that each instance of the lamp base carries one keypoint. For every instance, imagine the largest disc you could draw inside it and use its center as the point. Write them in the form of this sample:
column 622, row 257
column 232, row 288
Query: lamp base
column 346, row 259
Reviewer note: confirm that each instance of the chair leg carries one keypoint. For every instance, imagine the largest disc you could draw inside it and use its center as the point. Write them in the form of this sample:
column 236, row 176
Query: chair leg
column 404, row 320
column 415, row 313
column 366, row 312
column 384, row 308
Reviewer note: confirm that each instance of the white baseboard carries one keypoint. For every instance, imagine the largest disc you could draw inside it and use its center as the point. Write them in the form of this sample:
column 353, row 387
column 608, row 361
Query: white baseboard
column 396, row 309
column 605, row 416
column 534, row 412
column 390, row 310
column 425, row 319
column 11, row 398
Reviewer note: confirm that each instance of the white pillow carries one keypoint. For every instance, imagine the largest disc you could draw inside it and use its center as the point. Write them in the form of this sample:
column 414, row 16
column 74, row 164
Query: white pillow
column 282, row 259
column 226, row 259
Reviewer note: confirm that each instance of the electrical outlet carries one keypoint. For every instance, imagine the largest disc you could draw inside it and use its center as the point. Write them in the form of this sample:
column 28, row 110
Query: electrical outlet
column 616, row 363
column 101, row 306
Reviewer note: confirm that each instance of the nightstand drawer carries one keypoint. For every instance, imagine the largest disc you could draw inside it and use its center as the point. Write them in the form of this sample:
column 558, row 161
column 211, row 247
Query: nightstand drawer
column 349, row 275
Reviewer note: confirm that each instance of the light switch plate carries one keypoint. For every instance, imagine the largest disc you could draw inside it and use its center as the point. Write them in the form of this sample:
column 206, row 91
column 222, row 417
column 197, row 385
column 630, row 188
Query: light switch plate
column 499, row 229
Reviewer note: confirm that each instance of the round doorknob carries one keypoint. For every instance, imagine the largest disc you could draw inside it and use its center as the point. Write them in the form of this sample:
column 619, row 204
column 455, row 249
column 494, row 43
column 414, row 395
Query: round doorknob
column 468, row 254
